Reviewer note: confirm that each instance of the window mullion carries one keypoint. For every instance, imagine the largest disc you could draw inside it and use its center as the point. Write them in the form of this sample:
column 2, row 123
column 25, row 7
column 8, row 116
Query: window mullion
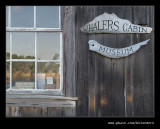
column 10, row 60
column 35, row 31
column 23, row 60
column 35, row 60
column 61, row 62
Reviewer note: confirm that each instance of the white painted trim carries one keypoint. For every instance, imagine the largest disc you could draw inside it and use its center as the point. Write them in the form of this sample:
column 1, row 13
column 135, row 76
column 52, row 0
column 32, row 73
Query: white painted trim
column 35, row 60
column 34, row 29
column 17, row 29
column 32, row 60
column 10, row 60
column 34, row 92
column 22, row 60
column 61, row 62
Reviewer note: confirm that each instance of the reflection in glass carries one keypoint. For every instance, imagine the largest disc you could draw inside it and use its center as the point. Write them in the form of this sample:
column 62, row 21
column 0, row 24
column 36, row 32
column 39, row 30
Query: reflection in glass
column 48, row 45
column 22, row 16
column 7, row 45
column 23, row 75
column 48, row 76
column 7, row 75
column 23, row 45
column 6, row 16
column 47, row 16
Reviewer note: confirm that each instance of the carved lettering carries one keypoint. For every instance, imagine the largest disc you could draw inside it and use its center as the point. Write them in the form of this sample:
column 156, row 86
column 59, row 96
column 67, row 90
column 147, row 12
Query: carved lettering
column 116, row 25
column 110, row 23
column 130, row 50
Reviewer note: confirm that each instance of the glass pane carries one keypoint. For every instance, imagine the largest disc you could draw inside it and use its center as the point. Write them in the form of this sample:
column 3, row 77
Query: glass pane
column 48, row 46
column 22, row 16
column 47, row 16
column 6, row 16
column 23, row 45
column 7, row 75
column 23, row 75
column 7, row 45
column 48, row 76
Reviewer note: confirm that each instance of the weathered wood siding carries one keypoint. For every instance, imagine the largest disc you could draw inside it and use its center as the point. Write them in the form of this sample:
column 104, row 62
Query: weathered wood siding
column 104, row 86
column 115, row 87
column 40, row 111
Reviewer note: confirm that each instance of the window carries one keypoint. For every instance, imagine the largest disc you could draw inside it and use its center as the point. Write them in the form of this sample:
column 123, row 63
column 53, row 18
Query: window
column 34, row 50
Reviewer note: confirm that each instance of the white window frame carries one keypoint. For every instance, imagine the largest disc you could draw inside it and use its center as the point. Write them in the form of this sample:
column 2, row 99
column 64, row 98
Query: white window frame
column 35, row 91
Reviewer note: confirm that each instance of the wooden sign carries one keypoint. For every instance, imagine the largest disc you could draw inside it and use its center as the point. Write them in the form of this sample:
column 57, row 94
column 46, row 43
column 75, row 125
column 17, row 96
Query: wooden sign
column 114, row 52
column 110, row 23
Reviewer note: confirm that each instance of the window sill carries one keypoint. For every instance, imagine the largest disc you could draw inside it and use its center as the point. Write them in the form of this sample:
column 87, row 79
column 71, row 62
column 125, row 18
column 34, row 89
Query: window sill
column 51, row 92
column 40, row 101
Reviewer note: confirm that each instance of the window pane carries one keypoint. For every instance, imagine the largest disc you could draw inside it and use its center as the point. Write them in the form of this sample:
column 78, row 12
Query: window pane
column 7, row 75
column 7, row 45
column 48, row 46
column 47, row 16
column 6, row 16
column 22, row 16
column 23, row 75
column 23, row 45
column 48, row 76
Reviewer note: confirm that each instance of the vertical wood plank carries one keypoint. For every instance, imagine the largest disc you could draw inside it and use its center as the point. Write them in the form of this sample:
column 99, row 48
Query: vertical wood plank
column 12, row 111
column 69, row 112
column 31, row 111
column 44, row 111
column 51, row 112
column 59, row 111
column 128, row 86
column 69, row 51
column 143, row 73
column 15, row 111
column 91, row 71
column 7, row 111
column 81, row 61
column 98, row 72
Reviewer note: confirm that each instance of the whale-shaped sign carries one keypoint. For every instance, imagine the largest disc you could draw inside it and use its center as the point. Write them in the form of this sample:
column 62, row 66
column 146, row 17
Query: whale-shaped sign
column 110, row 23
column 114, row 52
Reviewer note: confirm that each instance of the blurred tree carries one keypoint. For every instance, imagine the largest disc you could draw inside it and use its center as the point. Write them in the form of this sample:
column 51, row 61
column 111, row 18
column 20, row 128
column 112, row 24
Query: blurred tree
column 14, row 56
column 55, row 57
column 7, row 55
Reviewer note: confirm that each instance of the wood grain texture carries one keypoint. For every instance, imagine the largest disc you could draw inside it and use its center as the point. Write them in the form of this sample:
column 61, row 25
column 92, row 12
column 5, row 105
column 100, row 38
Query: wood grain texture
column 114, row 87
column 104, row 87
column 27, row 102
column 82, row 80
column 143, row 74
column 15, row 111
column 128, row 85
column 31, row 111
column 69, row 51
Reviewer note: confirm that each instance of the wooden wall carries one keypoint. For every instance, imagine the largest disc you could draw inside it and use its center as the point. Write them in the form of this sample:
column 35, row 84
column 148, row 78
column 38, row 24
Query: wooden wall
column 115, row 87
column 104, row 86
column 14, row 111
